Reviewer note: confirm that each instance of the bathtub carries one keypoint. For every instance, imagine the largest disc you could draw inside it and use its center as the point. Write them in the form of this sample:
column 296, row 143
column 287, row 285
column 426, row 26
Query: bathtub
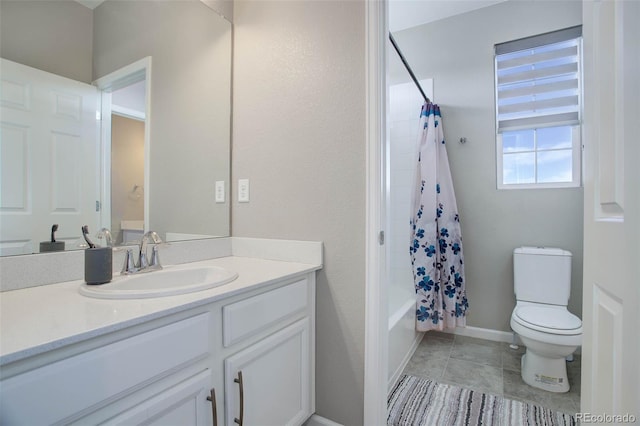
column 403, row 338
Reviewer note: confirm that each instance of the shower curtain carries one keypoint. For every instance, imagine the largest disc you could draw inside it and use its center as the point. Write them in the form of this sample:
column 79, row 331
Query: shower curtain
column 436, row 239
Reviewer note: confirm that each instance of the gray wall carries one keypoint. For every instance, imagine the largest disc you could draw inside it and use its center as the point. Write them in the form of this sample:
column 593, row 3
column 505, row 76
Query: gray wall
column 53, row 36
column 458, row 54
column 299, row 136
column 223, row 7
column 127, row 156
column 190, row 46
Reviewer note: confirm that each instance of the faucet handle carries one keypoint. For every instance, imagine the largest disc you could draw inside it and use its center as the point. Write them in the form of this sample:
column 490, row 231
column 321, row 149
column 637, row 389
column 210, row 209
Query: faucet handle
column 149, row 236
column 154, row 264
column 144, row 263
column 128, row 267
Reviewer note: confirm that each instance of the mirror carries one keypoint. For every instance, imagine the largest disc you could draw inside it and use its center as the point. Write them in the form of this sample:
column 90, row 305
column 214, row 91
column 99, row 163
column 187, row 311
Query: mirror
column 127, row 153
column 186, row 131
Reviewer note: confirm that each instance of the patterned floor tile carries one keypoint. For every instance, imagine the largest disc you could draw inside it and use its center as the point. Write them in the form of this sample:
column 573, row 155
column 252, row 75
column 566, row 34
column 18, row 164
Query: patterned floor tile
column 490, row 367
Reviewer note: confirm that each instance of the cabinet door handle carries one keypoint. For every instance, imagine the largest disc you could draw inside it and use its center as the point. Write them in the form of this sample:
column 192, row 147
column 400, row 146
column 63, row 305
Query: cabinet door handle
column 214, row 407
column 241, row 386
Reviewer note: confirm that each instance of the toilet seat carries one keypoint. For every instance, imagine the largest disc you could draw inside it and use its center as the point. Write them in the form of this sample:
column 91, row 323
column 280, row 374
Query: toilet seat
column 548, row 319
column 543, row 336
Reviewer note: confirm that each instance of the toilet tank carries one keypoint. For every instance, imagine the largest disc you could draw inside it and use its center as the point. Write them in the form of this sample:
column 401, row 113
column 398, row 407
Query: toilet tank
column 542, row 275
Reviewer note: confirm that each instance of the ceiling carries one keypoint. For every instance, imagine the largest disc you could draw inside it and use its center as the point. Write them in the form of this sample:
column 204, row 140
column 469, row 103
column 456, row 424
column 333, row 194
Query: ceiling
column 405, row 14
column 91, row 4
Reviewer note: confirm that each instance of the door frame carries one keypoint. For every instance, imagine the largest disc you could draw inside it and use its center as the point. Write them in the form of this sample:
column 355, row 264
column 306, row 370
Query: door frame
column 376, row 330
column 376, row 285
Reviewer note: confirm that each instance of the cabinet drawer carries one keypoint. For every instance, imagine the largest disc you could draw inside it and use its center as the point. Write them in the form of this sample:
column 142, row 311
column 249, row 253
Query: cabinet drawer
column 64, row 389
column 248, row 317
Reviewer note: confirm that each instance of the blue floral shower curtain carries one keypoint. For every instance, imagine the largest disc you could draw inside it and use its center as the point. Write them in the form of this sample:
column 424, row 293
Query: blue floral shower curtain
column 436, row 239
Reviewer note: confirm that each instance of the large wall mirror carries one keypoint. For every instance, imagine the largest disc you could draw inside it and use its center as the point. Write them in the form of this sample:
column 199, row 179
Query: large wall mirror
column 148, row 149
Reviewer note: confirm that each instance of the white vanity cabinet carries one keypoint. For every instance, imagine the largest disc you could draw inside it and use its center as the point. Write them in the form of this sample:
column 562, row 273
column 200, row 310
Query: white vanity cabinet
column 153, row 368
column 269, row 382
column 162, row 372
column 184, row 403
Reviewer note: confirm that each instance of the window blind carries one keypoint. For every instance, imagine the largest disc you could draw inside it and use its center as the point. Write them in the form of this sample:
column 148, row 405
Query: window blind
column 538, row 81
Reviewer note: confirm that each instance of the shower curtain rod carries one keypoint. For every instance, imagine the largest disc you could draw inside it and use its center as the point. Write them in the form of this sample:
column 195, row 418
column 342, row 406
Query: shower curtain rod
column 406, row 64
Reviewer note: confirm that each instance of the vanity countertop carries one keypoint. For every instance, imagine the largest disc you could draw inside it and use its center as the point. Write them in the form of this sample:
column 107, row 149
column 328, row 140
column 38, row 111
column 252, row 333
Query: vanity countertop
column 39, row 319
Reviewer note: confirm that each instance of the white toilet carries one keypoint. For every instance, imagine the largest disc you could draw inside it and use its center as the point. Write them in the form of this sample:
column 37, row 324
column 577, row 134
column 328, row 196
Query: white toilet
column 542, row 281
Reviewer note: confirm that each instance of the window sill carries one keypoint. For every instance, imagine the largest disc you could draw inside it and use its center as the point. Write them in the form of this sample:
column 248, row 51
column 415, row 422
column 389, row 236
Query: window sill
column 539, row 185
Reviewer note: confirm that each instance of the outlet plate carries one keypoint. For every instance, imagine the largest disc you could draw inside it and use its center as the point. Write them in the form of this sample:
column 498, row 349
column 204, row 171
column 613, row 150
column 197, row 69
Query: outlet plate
column 220, row 195
column 243, row 190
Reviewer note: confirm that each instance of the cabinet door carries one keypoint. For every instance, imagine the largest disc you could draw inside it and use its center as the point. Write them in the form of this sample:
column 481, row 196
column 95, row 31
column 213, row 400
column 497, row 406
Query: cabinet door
column 183, row 404
column 275, row 388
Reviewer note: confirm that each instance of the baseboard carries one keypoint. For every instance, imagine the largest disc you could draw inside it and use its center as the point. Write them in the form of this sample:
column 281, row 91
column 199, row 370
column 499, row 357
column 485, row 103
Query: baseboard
column 494, row 335
column 484, row 333
column 396, row 375
column 316, row 420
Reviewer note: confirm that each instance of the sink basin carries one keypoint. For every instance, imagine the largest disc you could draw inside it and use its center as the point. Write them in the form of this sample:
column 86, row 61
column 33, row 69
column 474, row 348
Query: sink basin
column 170, row 281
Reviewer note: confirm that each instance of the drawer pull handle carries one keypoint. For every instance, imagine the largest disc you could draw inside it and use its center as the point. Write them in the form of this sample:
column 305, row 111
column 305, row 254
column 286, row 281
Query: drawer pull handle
column 241, row 386
column 214, row 407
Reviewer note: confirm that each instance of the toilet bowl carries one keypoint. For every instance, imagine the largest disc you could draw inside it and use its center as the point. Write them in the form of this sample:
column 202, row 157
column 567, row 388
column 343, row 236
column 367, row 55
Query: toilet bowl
column 550, row 333
column 544, row 363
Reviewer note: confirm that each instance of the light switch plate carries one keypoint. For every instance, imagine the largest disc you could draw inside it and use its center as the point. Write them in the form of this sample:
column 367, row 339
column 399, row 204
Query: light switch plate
column 220, row 191
column 243, row 190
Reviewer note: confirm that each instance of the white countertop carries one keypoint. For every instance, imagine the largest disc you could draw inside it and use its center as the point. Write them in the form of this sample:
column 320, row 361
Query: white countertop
column 38, row 319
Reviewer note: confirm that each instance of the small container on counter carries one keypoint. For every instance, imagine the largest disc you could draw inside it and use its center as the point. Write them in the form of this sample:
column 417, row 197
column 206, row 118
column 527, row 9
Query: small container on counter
column 52, row 245
column 98, row 265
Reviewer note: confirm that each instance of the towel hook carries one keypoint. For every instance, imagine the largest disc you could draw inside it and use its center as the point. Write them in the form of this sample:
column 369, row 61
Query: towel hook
column 463, row 140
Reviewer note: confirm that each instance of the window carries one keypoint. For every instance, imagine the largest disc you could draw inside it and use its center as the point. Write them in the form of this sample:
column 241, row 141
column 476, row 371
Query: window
column 538, row 110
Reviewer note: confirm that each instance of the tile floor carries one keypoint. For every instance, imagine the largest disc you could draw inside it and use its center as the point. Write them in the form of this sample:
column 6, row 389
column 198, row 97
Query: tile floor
column 487, row 366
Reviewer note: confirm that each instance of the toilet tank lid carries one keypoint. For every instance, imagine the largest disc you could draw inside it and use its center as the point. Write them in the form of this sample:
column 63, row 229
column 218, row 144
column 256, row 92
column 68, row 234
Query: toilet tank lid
column 542, row 251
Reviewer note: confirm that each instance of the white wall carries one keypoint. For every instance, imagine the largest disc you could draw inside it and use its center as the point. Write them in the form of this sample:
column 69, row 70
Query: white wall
column 457, row 53
column 403, row 120
column 299, row 137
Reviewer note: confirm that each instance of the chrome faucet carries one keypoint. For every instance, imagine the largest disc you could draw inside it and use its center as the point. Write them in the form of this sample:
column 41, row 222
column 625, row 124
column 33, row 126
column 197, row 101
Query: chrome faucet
column 130, row 266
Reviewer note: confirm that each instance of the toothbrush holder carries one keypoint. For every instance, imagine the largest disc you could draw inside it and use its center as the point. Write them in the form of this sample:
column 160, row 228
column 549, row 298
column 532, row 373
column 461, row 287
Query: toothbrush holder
column 98, row 265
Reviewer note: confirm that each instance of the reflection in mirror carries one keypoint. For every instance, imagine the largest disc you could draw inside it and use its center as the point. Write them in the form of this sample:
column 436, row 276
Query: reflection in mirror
column 187, row 132
column 49, row 146
column 127, row 156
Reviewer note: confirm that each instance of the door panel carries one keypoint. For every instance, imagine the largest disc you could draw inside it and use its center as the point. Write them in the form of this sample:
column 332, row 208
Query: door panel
column 611, row 347
column 48, row 158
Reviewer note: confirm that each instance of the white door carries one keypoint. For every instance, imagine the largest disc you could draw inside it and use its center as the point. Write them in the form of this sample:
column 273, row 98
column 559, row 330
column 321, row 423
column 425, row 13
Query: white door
column 48, row 158
column 611, row 301
column 268, row 383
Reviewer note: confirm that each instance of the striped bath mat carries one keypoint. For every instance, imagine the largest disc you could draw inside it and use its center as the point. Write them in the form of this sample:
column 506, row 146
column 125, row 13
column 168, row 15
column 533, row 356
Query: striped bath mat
column 422, row 402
